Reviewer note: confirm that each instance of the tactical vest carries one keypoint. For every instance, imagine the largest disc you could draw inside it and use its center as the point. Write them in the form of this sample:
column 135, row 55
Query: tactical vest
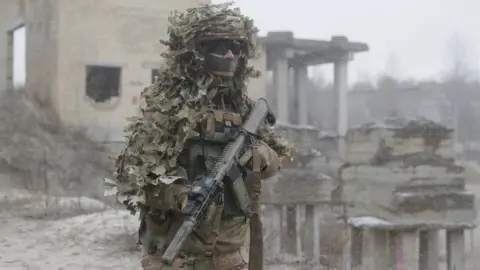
column 202, row 153
column 199, row 157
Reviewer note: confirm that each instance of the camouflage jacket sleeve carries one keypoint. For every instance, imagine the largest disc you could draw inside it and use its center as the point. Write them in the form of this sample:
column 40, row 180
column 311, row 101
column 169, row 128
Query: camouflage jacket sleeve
column 272, row 150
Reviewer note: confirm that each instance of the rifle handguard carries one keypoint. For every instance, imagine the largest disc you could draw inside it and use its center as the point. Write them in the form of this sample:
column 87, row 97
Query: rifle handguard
column 171, row 252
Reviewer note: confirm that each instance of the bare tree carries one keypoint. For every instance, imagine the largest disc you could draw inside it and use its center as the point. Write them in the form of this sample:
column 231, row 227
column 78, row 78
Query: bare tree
column 389, row 79
column 458, row 60
column 460, row 73
column 318, row 77
column 392, row 66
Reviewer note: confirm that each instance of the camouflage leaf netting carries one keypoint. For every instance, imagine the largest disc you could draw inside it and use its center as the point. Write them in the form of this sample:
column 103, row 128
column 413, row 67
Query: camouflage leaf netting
column 179, row 99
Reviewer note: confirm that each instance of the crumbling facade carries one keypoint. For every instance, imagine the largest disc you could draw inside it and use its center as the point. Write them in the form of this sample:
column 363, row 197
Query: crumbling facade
column 90, row 59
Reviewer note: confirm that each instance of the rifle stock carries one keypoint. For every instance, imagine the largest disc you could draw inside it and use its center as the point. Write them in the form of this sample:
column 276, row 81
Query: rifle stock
column 206, row 189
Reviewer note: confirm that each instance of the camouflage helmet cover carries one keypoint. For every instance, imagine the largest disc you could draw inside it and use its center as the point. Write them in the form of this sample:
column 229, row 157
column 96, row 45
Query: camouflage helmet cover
column 210, row 22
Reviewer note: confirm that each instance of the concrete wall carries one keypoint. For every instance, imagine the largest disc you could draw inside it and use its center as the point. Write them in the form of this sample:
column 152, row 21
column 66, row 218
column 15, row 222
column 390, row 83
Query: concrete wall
column 397, row 169
column 257, row 87
column 109, row 33
column 42, row 44
column 11, row 17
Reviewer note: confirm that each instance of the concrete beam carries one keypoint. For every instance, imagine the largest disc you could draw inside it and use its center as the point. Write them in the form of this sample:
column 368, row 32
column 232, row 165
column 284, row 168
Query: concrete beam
column 437, row 202
column 286, row 39
column 316, row 58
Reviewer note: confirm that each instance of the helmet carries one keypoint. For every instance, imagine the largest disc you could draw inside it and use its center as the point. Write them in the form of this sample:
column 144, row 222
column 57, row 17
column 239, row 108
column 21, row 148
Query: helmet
column 195, row 31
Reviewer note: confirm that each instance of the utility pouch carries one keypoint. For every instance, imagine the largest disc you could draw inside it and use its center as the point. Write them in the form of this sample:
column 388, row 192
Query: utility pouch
column 222, row 126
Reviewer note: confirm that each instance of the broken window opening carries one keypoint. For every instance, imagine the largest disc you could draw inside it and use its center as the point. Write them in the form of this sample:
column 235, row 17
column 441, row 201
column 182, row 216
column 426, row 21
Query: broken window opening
column 102, row 83
column 16, row 73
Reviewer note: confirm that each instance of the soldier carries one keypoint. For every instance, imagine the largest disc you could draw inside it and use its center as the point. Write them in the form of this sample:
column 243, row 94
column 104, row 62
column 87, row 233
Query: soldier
column 194, row 108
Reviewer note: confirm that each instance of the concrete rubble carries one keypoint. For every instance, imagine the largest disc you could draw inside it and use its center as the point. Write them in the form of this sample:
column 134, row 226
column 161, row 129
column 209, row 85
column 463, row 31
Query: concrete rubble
column 408, row 143
column 375, row 200
column 405, row 172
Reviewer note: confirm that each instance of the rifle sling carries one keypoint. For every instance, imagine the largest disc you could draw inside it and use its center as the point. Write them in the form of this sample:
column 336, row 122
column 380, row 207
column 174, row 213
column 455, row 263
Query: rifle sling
column 256, row 227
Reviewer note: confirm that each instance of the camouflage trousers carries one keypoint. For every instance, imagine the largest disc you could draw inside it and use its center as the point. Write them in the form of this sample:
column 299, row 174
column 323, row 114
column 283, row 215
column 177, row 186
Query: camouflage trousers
column 232, row 261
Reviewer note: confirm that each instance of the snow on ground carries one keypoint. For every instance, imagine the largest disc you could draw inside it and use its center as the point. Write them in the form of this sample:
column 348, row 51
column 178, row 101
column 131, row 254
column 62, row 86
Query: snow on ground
column 102, row 240
column 37, row 232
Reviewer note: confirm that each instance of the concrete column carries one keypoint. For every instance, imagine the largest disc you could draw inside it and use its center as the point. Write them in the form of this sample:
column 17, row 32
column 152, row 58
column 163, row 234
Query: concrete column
column 283, row 230
column 405, row 250
column 290, row 242
column 276, row 229
column 352, row 248
column 472, row 259
column 394, row 243
column 368, row 250
column 341, row 94
column 429, row 250
column 456, row 249
column 381, row 253
column 299, row 228
column 281, row 83
column 410, row 249
column 301, row 80
column 375, row 255
column 341, row 101
column 311, row 234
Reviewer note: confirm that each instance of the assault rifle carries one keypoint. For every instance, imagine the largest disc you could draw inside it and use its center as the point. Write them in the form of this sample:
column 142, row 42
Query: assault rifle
column 208, row 189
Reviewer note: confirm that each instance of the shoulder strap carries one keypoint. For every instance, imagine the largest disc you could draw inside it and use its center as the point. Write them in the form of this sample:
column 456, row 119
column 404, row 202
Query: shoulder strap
column 256, row 227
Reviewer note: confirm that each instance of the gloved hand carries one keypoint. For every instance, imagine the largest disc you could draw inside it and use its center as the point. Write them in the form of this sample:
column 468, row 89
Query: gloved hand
column 172, row 197
column 171, row 194
column 269, row 162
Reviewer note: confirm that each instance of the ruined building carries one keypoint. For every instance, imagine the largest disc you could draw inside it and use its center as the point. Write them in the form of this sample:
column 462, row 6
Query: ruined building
column 90, row 59
column 371, row 200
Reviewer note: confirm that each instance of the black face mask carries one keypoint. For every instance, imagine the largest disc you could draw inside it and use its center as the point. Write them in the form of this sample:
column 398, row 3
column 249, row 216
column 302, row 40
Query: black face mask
column 222, row 56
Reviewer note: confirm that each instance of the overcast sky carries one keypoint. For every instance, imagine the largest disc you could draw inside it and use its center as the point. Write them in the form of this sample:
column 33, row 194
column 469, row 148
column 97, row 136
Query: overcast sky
column 406, row 37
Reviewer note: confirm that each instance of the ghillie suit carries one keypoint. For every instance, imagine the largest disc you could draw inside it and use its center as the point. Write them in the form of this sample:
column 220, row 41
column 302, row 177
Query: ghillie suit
column 191, row 111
